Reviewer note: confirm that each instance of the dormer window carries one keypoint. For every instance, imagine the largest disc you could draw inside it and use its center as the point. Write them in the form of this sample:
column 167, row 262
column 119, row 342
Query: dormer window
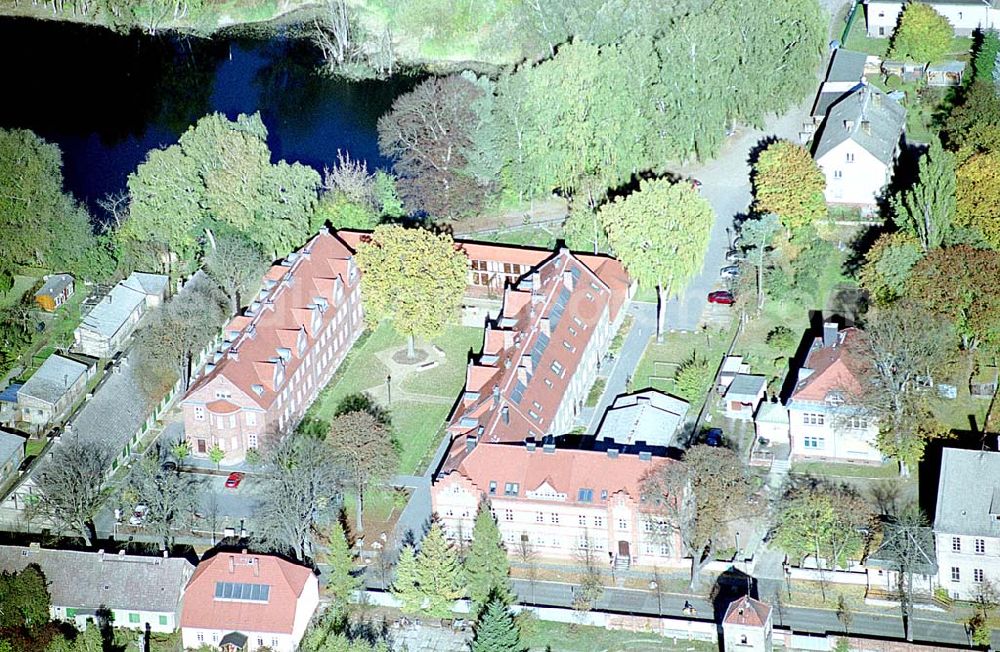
column 835, row 397
column 300, row 344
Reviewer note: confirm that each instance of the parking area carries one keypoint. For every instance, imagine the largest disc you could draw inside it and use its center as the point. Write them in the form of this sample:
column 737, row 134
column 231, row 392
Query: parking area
column 225, row 510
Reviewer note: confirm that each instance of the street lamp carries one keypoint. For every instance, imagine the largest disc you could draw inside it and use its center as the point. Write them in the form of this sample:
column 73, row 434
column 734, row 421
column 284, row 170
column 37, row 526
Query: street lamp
column 388, row 387
column 737, row 546
column 653, row 586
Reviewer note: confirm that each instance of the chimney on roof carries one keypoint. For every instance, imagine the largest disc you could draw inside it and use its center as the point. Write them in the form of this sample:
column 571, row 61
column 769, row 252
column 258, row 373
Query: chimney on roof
column 256, row 567
column 100, row 554
column 829, row 334
column 470, row 443
column 549, row 447
column 536, row 283
column 567, row 277
column 530, row 445
column 232, row 563
column 522, row 373
column 866, row 126
column 545, row 326
column 121, row 553
column 645, row 456
column 613, row 453
column 505, row 415
column 849, row 124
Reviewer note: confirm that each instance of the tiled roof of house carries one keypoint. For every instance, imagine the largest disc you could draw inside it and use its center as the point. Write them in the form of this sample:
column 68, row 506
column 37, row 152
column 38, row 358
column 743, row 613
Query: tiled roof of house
column 559, row 471
column 846, row 66
column 295, row 304
column 111, row 313
column 90, row 580
column 747, row 612
column 151, row 284
column 867, row 116
column 648, row 416
column 530, row 354
column 968, row 496
column 828, row 368
column 745, row 386
column 116, row 411
column 55, row 284
column 216, row 597
column 56, row 375
column 10, row 444
column 608, row 269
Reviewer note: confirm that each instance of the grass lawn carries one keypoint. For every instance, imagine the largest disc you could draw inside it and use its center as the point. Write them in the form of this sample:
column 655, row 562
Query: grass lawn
column 857, row 38
column 34, row 447
column 417, row 423
column 21, row 285
column 564, row 637
column 596, row 390
column 660, row 361
column 885, row 471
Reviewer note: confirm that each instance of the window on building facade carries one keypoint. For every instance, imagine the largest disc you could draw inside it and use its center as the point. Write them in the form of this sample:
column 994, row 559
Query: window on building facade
column 508, row 515
column 850, row 157
column 493, row 487
column 586, row 495
column 857, row 423
column 814, row 442
column 511, row 488
column 813, row 419
column 955, row 574
column 539, row 517
column 200, row 636
column 554, row 518
column 557, row 368
column 977, row 575
column 581, row 520
column 252, row 440
column 223, row 393
column 622, row 524
column 980, row 546
column 956, row 544
column 837, row 174
column 199, row 413
column 604, row 494
column 598, row 521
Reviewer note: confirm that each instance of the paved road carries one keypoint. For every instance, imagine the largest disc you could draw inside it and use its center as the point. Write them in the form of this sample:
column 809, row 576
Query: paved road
column 624, row 364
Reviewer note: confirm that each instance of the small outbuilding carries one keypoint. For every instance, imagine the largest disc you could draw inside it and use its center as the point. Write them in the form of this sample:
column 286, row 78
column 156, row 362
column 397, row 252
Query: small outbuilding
column 947, row 73
column 11, row 456
column 747, row 626
column 58, row 288
column 771, row 422
column 743, row 396
column 52, row 390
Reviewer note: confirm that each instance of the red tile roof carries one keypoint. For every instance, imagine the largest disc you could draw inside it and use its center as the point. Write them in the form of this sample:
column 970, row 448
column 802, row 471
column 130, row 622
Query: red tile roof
column 608, row 269
column 565, row 470
column 529, row 357
column 832, row 369
column 747, row 612
column 286, row 581
column 293, row 292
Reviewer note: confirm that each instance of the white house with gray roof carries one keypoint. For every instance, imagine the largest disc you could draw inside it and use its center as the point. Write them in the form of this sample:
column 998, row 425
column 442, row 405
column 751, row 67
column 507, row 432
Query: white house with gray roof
column 139, row 591
column 48, row 395
column 965, row 16
column 857, row 146
column 967, row 521
column 11, row 456
column 106, row 329
column 648, row 416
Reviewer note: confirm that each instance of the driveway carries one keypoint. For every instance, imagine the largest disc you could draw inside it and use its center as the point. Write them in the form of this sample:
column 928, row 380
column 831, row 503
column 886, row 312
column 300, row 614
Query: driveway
column 726, row 185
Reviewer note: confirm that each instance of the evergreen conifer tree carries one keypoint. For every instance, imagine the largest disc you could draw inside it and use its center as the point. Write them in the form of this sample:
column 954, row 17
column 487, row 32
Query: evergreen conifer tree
column 439, row 575
column 497, row 631
column 405, row 588
column 487, row 567
column 341, row 583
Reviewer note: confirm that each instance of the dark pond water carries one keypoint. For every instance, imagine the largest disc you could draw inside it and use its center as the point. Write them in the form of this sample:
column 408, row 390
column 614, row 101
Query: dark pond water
column 107, row 99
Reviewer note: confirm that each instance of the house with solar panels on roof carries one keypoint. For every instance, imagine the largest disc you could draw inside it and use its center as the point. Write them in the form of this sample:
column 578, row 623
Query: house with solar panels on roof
column 243, row 602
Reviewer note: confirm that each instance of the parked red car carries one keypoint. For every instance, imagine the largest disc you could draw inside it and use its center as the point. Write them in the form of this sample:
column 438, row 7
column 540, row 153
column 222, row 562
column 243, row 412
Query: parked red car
column 234, row 480
column 722, row 297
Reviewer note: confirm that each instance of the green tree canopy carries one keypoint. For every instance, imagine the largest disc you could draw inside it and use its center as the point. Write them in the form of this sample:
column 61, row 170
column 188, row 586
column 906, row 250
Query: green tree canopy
column 220, row 176
column 977, row 195
column 923, row 35
column 413, row 277
column 823, row 521
column 341, row 583
column 25, row 599
column 926, row 210
column 888, row 264
column 660, row 233
column 487, row 568
column 430, row 581
column 788, row 183
column 496, row 630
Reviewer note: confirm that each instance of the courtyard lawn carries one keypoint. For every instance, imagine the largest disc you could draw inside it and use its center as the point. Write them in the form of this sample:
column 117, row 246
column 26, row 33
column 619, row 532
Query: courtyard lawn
column 661, row 361
column 565, row 637
column 889, row 470
column 418, row 423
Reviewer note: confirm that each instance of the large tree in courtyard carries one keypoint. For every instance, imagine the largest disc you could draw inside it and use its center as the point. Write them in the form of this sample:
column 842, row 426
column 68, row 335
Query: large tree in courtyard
column 927, row 208
column 660, row 233
column 363, row 446
column 431, row 580
column 429, row 132
column 697, row 499
column 902, row 347
column 788, row 183
column 171, row 498
column 487, row 567
column 923, row 35
column 413, row 277
column 71, row 487
column 978, row 195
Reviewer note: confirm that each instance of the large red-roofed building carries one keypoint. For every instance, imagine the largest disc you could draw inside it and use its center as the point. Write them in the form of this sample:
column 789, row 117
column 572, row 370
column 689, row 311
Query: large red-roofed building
column 278, row 354
column 241, row 603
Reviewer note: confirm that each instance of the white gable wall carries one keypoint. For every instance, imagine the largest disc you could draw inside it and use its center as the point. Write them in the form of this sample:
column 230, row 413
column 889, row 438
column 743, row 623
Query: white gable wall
column 853, row 175
column 884, row 15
